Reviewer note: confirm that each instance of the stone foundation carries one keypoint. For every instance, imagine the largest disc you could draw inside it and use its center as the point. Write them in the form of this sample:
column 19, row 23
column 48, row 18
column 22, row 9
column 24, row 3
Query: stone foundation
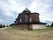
column 30, row 26
column 38, row 26
column 21, row 26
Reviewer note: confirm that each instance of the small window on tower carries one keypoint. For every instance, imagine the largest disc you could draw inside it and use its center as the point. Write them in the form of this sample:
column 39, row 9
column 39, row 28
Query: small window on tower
column 26, row 12
column 20, row 19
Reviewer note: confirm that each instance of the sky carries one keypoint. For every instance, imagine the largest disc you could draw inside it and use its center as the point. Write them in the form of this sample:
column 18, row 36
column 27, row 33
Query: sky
column 9, row 10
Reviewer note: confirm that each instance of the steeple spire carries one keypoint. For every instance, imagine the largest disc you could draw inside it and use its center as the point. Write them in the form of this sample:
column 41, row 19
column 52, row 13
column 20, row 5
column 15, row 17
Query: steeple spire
column 26, row 11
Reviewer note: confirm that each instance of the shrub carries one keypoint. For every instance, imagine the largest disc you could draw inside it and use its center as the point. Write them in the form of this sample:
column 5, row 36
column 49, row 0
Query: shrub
column 48, row 26
column 1, row 26
column 52, row 24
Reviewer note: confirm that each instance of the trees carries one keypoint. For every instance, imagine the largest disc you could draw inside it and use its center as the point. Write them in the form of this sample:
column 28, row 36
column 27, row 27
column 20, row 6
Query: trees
column 52, row 24
column 1, row 26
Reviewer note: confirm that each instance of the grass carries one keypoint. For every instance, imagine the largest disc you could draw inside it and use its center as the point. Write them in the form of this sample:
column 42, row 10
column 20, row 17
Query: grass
column 43, row 30
column 14, row 34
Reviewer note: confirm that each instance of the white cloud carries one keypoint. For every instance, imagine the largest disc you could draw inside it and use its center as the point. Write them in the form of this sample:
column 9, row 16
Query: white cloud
column 9, row 8
column 1, row 20
column 16, row 6
column 12, row 6
column 40, row 6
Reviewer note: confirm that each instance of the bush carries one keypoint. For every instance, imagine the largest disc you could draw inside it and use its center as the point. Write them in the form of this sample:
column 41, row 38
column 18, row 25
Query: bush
column 48, row 26
column 52, row 24
column 1, row 26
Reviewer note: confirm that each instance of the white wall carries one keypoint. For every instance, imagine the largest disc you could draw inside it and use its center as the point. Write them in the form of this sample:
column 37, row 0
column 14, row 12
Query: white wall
column 38, row 26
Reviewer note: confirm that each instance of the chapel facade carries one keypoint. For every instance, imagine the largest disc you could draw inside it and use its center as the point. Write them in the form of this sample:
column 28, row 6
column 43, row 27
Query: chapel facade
column 28, row 20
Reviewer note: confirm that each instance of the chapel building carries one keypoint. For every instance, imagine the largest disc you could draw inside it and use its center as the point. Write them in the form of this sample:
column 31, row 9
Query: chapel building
column 28, row 20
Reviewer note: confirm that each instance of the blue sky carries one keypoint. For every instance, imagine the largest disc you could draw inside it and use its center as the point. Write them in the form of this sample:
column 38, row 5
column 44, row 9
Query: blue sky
column 9, row 9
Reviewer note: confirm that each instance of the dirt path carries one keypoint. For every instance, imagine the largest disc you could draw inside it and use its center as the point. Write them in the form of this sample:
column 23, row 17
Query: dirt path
column 3, row 28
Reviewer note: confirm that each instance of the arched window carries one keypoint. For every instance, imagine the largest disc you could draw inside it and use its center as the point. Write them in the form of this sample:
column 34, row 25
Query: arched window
column 20, row 19
column 30, row 19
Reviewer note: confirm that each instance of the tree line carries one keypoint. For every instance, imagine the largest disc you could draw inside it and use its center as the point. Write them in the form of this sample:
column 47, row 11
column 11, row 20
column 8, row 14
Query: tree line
column 1, row 26
column 50, row 25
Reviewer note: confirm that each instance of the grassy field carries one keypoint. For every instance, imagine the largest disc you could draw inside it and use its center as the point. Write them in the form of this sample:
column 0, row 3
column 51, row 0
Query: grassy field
column 14, row 34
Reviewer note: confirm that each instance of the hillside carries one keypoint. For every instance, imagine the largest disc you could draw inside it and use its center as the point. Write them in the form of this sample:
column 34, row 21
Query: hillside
column 14, row 34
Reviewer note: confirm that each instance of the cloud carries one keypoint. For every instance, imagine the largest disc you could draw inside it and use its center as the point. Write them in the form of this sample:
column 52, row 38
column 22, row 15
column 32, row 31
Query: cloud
column 9, row 9
column 43, row 7
column 1, row 20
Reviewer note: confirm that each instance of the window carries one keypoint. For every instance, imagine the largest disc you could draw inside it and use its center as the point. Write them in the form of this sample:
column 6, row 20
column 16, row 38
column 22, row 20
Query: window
column 20, row 19
column 26, row 12
column 30, row 19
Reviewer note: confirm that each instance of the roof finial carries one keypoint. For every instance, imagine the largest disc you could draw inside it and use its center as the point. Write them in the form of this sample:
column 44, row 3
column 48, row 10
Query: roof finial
column 26, row 9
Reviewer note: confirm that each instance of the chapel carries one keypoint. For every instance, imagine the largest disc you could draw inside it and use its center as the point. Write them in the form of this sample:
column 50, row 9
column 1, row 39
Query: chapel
column 28, row 20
